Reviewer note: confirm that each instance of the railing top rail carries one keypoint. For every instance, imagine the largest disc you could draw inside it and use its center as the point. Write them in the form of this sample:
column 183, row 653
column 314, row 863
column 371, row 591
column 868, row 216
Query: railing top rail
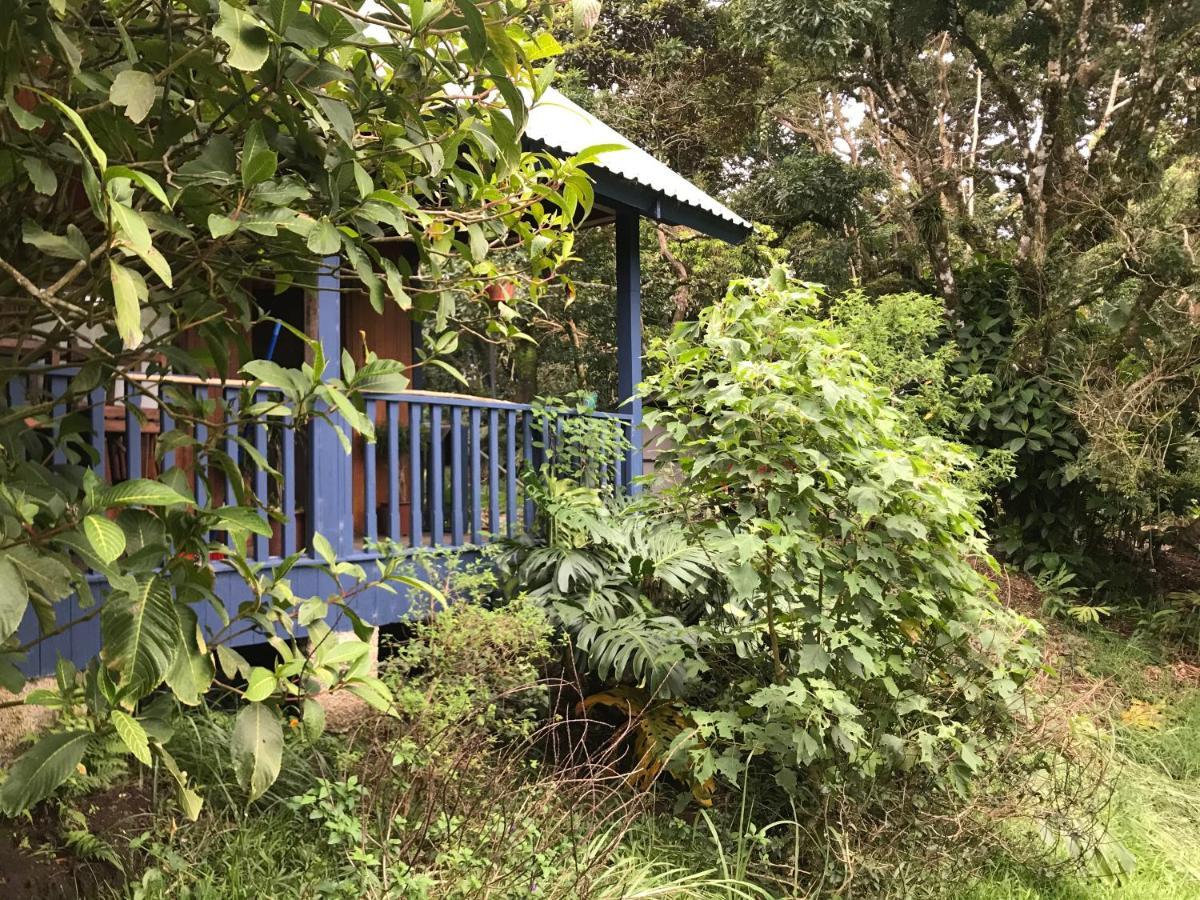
column 471, row 400
column 413, row 396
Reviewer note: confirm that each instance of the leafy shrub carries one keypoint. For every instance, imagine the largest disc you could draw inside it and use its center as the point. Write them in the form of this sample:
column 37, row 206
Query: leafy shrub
column 850, row 635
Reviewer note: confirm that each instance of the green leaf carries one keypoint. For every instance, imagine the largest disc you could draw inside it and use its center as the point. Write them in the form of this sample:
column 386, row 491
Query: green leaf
column 476, row 35
column 128, row 290
column 314, row 719
column 257, row 748
column 324, row 239
column 249, row 42
column 132, row 735
column 189, row 801
column 141, row 178
column 42, row 176
column 135, row 91
column 41, row 769
column 70, row 49
column 139, row 631
column 191, row 673
column 340, row 117
column 373, row 691
column 219, row 226
column 106, row 538
column 75, row 119
column 14, row 599
column 132, row 225
column 73, row 246
column 244, row 517
column 139, row 492
column 259, row 161
column 260, row 685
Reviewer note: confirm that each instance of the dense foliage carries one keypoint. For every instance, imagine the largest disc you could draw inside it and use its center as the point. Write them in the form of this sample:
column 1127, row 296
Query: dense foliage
column 800, row 590
column 168, row 168
column 1032, row 167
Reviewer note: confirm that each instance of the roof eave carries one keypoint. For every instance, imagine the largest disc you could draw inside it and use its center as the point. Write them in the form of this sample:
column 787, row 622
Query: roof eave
column 613, row 190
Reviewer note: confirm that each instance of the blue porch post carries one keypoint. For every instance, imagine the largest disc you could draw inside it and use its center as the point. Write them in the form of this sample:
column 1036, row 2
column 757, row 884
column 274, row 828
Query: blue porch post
column 629, row 333
column 329, row 467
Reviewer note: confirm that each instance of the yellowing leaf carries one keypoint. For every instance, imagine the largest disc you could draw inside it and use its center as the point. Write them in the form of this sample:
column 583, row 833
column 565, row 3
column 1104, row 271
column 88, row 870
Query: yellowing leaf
column 135, row 91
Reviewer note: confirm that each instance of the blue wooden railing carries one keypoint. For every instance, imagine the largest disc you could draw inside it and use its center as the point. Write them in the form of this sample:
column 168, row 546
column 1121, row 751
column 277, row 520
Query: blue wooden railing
column 442, row 472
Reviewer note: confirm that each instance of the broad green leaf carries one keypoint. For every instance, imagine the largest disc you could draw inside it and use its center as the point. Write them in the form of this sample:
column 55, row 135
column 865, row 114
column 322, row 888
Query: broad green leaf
column 132, row 225
column 127, row 300
column 74, row 246
column 258, row 160
column 340, row 117
column 314, row 719
column 219, row 226
column 324, row 239
column 260, row 685
column 244, row 517
column 135, row 91
column 139, row 492
column 191, row 673
column 373, row 691
column 42, row 176
column 132, row 735
column 139, row 632
column 41, row 769
column 106, row 538
column 249, row 42
column 257, row 748
column 14, row 599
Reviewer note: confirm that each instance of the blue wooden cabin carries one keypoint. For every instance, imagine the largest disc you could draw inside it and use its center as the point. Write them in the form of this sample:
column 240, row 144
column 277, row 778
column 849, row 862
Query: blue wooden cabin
column 443, row 473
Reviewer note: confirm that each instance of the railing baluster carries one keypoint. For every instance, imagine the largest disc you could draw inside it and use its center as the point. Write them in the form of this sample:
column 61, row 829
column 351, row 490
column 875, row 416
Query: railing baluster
column 392, row 408
column 476, row 480
column 261, row 543
column 494, row 472
column 58, row 389
column 456, row 478
column 228, row 427
column 290, row 531
column 510, row 470
column 133, row 434
column 415, row 493
column 96, row 400
column 527, row 427
column 436, row 512
column 199, row 456
column 166, row 424
column 370, row 450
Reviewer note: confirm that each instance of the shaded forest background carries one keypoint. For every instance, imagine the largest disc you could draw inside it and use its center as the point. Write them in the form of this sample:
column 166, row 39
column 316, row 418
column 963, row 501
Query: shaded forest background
column 1032, row 166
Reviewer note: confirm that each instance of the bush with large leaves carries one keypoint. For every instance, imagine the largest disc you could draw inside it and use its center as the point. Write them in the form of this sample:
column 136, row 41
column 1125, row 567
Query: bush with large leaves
column 854, row 635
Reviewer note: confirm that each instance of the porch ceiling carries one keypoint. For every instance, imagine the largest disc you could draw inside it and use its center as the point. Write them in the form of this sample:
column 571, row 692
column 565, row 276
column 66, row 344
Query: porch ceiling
column 630, row 176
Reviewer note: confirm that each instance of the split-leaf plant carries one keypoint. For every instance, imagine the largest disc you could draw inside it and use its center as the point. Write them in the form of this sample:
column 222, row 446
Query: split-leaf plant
column 167, row 167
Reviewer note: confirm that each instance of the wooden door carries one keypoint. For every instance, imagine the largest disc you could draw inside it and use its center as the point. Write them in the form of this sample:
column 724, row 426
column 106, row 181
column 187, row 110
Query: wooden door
column 389, row 336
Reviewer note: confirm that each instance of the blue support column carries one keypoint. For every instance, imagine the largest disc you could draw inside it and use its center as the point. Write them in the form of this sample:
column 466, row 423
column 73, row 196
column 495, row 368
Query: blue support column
column 330, row 512
column 629, row 334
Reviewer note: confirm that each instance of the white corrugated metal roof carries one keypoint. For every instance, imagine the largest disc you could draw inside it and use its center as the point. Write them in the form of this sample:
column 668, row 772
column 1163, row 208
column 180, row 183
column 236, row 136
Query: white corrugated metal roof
column 565, row 126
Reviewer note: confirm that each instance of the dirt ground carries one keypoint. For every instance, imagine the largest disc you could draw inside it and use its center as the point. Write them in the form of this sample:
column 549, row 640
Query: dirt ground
column 33, row 865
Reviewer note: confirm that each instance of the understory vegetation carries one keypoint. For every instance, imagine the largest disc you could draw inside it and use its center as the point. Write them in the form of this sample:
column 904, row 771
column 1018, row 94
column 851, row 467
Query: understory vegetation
column 906, row 603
